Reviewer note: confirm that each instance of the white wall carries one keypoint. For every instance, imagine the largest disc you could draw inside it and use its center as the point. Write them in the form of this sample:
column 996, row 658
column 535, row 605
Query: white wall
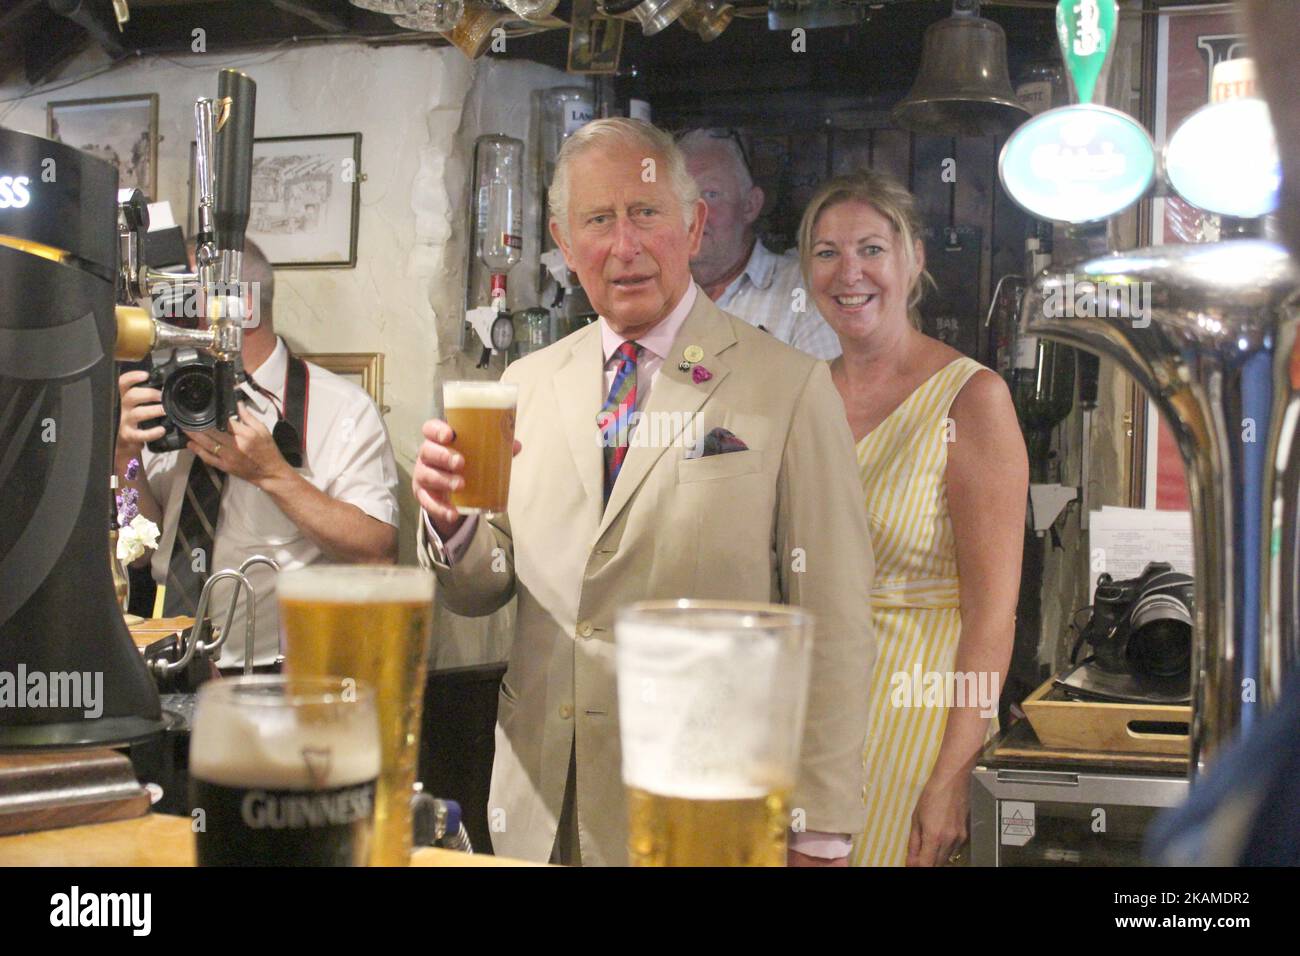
column 419, row 110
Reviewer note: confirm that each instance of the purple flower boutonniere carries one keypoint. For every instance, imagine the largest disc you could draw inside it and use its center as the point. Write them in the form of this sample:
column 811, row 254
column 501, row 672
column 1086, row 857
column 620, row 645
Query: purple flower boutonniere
column 700, row 374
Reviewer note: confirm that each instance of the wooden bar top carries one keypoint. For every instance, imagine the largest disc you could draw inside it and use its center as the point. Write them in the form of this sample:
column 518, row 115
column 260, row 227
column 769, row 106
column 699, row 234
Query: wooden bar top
column 159, row 840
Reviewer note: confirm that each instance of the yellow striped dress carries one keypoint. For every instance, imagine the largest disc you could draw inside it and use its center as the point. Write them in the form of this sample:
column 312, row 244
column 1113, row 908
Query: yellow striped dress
column 914, row 601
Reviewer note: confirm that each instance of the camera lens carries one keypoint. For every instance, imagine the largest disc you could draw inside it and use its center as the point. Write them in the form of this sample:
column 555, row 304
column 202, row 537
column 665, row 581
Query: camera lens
column 1161, row 644
column 190, row 398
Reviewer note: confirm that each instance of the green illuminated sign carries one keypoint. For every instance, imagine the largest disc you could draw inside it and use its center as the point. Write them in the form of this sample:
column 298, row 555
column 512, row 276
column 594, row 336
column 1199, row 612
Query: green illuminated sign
column 1078, row 164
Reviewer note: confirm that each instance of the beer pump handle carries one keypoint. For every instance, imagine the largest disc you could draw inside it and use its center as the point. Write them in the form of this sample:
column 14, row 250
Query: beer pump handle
column 234, row 159
column 233, row 143
column 205, row 186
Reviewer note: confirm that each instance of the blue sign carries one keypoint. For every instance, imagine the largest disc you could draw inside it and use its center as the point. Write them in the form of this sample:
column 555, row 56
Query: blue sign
column 1078, row 164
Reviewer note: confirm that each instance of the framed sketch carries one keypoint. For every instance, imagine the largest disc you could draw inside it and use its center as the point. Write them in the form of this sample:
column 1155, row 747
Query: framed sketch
column 306, row 195
column 120, row 129
column 365, row 369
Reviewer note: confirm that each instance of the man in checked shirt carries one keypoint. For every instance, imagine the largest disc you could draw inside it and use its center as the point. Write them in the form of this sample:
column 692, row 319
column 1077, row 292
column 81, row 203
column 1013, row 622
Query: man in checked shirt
column 733, row 267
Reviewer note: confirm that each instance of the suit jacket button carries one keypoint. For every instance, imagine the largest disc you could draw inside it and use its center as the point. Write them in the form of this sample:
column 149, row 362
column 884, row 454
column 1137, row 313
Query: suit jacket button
column 585, row 629
column 566, row 711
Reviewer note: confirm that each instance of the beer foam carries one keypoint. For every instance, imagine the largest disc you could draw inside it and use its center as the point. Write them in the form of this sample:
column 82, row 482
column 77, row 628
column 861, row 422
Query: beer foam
column 344, row 584
column 662, row 785
column 272, row 748
column 698, row 712
column 479, row 395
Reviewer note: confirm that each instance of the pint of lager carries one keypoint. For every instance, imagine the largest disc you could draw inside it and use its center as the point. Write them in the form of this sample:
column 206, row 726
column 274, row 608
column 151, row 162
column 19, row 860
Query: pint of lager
column 711, row 701
column 482, row 414
column 282, row 772
column 373, row 625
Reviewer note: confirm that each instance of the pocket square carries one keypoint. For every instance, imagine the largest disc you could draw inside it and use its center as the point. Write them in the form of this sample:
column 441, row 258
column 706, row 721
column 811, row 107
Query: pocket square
column 719, row 441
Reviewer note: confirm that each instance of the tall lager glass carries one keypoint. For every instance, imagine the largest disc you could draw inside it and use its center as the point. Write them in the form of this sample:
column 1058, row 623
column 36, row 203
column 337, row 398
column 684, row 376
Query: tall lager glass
column 482, row 414
column 283, row 771
column 711, row 701
column 373, row 625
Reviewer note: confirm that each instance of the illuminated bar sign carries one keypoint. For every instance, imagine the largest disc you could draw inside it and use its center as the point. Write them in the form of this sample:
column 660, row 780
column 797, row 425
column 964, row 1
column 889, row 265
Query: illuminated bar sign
column 13, row 192
column 1224, row 159
column 1078, row 164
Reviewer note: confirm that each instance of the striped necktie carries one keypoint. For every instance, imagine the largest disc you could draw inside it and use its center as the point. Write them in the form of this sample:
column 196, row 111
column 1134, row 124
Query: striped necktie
column 614, row 418
column 194, row 534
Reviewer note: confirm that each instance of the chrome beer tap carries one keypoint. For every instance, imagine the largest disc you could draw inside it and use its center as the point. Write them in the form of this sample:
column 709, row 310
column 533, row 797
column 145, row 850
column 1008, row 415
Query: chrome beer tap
column 1211, row 342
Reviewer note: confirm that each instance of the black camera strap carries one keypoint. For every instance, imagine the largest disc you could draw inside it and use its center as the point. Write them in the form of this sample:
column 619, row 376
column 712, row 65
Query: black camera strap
column 290, row 432
column 297, row 385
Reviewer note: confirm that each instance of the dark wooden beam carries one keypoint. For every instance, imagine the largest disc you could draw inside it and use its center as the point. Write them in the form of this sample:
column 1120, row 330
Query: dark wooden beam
column 306, row 11
column 51, row 42
column 17, row 12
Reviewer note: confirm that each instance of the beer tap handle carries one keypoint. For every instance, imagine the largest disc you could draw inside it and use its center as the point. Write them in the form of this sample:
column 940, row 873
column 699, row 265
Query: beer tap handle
column 234, row 165
column 204, row 157
column 233, row 142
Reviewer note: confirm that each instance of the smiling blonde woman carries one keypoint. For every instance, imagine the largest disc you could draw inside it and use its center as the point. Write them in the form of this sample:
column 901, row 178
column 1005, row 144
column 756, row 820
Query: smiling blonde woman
column 945, row 476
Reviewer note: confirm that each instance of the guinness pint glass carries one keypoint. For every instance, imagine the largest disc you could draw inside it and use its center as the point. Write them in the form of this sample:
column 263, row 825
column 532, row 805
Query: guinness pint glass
column 371, row 624
column 482, row 414
column 282, row 772
column 711, row 701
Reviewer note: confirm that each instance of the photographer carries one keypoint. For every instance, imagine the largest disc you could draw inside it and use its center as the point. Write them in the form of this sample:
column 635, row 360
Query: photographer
column 231, row 494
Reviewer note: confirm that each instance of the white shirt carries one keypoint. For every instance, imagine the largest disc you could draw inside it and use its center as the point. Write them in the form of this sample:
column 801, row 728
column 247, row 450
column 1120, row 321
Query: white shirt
column 764, row 296
column 348, row 457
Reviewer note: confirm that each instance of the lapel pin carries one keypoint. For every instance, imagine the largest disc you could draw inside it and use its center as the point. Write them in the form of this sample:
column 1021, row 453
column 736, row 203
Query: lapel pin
column 693, row 353
column 683, row 366
column 700, row 374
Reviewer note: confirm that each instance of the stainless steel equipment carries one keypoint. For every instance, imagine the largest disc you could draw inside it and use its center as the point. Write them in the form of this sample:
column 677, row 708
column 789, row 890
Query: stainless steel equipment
column 1075, row 817
column 1214, row 354
column 1208, row 332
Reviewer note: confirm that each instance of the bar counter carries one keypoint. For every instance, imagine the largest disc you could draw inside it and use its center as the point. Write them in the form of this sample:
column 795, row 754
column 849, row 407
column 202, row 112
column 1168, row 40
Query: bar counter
column 159, row 840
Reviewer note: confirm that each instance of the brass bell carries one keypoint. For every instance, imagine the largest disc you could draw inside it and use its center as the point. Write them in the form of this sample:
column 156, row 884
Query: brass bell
column 963, row 87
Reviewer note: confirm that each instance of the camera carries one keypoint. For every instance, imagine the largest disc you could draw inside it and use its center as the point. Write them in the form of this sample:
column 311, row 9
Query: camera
column 189, row 395
column 1143, row 626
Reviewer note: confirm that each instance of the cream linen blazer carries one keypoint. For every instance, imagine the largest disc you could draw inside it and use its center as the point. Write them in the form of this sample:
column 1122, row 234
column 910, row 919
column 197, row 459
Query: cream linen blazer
column 782, row 522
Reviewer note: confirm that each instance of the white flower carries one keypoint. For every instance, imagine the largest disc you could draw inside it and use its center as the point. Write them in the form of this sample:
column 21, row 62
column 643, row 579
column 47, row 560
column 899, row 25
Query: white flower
column 132, row 540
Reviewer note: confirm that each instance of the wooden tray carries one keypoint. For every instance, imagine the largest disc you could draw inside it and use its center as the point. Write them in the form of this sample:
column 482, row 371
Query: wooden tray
column 1091, row 725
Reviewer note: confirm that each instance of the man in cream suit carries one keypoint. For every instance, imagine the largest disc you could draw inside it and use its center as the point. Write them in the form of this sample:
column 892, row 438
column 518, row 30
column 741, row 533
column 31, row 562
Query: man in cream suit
column 742, row 487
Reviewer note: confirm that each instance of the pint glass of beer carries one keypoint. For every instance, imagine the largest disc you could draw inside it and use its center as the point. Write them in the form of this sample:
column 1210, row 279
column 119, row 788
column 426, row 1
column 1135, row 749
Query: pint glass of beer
column 372, row 625
column 711, row 701
column 482, row 414
column 284, row 772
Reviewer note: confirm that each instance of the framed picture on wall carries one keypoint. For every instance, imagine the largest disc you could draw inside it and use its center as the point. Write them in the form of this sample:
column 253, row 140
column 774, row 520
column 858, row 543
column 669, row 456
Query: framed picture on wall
column 120, row 129
column 306, row 196
column 305, row 200
column 365, row 369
